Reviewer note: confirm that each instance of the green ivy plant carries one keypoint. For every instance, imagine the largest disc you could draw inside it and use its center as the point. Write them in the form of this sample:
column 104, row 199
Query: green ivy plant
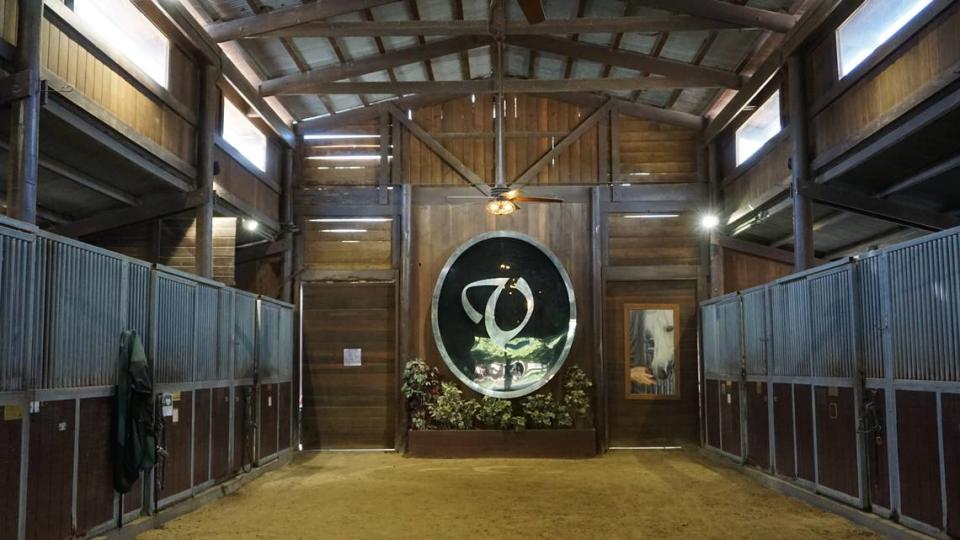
column 541, row 410
column 421, row 386
column 451, row 411
column 497, row 413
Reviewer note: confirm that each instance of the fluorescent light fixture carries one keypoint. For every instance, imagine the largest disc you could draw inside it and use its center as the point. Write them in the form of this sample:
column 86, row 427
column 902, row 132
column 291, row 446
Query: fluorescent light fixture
column 626, row 185
column 651, row 216
column 334, row 136
column 352, row 220
column 358, row 157
column 344, row 231
column 349, row 241
column 640, row 174
column 250, row 224
column 709, row 222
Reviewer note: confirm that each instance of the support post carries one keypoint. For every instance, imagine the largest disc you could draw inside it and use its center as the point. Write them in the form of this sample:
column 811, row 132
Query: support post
column 715, row 250
column 383, row 173
column 25, row 118
column 205, row 140
column 800, row 167
column 286, row 223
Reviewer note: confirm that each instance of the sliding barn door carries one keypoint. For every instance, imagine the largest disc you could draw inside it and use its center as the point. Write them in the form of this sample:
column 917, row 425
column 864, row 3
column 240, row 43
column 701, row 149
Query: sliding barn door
column 349, row 365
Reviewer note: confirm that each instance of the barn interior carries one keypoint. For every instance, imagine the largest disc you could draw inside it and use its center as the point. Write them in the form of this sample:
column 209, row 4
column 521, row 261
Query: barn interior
column 348, row 268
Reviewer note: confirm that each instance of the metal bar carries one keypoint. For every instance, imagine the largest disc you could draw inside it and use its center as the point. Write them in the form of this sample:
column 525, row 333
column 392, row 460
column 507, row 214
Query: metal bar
column 22, row 168
column 800, row 165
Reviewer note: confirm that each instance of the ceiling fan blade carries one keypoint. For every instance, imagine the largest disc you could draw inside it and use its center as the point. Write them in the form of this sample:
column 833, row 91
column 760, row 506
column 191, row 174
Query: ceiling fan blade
column 512, row 194
column 537, row 199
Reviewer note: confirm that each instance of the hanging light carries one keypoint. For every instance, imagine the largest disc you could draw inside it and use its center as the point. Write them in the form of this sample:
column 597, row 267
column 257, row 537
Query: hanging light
column 709, row 222
column 501, row 207
column 250, row 224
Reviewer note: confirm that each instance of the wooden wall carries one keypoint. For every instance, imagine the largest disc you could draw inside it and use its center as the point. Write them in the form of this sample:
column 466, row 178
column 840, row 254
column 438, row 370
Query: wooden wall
column 656, row 153
column 743, row 270
column 172, row 242
column 248, row 185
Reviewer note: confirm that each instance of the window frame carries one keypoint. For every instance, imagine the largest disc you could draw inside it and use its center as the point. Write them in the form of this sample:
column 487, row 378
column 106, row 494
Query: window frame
column 885, row 47
column 247, row 161
column 776, row 92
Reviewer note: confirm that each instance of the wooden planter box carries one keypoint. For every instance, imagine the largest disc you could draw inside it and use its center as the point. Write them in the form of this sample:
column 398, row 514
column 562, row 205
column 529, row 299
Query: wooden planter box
column 478, row 443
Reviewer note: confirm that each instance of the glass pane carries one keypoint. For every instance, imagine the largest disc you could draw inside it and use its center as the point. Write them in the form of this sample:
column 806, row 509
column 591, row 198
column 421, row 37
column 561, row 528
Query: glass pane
column 240, row 132
column 126, row 29
column 875, row 22
column 760, row 128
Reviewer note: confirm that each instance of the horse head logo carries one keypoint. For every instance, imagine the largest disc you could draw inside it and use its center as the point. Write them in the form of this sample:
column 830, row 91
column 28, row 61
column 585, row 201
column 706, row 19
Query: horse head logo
column 498, row 335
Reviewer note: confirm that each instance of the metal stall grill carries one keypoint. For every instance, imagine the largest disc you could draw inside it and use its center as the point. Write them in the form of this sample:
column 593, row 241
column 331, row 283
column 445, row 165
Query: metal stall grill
column 275, row 370
column 722, row 368
column 17, row 280
column 861, row 358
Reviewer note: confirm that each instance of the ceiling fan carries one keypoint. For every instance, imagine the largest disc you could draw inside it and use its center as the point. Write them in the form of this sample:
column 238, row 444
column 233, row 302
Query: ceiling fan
column 503, row 199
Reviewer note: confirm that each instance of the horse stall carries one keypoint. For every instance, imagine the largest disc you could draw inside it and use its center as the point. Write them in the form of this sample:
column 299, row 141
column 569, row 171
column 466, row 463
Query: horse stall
column 862, row 363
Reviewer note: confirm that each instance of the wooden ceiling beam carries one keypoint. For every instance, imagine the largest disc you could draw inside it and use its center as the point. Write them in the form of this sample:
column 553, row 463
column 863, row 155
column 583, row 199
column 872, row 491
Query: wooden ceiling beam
column 302, row 83
column 883, row 209
column 365, row 114
column 533, row 11
column 635, row 110
column 584, row 25
column 160, row 206
column 729, row 13
column 286, row 17
column 487, row 86
column 691, row 74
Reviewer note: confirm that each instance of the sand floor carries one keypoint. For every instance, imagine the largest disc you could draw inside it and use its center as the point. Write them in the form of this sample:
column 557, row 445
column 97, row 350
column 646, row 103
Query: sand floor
column 648, row 494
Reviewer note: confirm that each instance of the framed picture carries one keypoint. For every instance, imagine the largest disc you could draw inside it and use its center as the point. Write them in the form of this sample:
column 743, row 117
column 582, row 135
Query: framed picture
column 651, row 345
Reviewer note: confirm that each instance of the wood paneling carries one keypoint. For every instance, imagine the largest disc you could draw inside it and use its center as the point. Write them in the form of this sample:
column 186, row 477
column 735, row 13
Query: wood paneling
column 652, row 152
column 238, row 181
column 926, row 62
column 262, row 276
column 284, row 405
column 220, row 434
column 370, row 249
column 339, row 161
column 243, row 441
column 176, row 472
column 50, row 473
column 268, row 420
column 652, row 242
column 919, row 456
column 950, row 404
column 837, row 439
column 783, row 429
column 95, row 463
column 713, row 412
column 877, row 443
column 742, row 270
column 642, row 422
column 763, row 176
column 730, row 417
column 349, row 406
column 803, row 420
column 758, row 424
column 201, row 437
column 11, row 425
column 105, row 86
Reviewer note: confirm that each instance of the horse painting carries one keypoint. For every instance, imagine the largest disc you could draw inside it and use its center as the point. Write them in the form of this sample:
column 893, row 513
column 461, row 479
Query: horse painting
column 651, row 337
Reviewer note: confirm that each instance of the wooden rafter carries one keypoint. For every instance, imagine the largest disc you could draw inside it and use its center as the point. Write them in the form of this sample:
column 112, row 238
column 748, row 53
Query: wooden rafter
column 585, row 125
column 301, row 82
column 286, row 17
column 730, row 13
column 884, row 209
column 415, row 15
column 533, row 11
column 635, row 110
column 581, row 11
column 630, row 60
column 153, row 208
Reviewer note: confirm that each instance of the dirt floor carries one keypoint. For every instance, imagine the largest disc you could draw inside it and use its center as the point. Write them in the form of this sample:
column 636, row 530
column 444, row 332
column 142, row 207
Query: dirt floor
column 638, row 494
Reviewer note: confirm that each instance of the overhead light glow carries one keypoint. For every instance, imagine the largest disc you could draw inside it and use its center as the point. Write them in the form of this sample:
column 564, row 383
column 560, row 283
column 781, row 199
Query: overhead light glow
column 352, row 220
column 329, row 136
column 358, row 157
column 709, row 222
column 251, row 224
column 501, row 207
column 349, row 241
column 651, row 216
column 344, row 231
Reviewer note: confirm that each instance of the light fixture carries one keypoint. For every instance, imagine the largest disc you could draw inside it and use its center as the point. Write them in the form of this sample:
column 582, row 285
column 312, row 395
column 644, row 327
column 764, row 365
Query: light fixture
column 250, row 224
column 349, row 241
column 709, row 222
column 352, row 220
column 348, row 157
column 651, row 216
column 344, row 231
column 329, row 136
column 501, row 207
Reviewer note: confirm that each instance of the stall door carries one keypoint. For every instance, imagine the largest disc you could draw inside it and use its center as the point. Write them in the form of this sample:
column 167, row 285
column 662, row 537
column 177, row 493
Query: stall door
column 349, row 365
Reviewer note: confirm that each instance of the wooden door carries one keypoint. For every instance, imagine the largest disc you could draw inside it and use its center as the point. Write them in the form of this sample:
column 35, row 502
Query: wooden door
column 345, row 405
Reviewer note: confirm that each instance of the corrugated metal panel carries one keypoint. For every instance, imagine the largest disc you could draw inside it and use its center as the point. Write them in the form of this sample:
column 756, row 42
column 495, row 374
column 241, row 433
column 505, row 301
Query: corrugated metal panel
column 244, row 335
column 728, row 338
column 831, row 337
column 711, row 361
column 790, row 328
column 268, row 339
column 138, row 300
column 286, row 358
column 85, row 313
column 225, row 335
column 871, row 315
column 17, row 318
column 176, row 329
column 925, row 309
column 208, row 330
column 755, row 331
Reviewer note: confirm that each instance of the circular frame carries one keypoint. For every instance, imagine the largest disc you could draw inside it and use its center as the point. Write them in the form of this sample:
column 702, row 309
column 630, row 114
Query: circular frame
column 571, row 329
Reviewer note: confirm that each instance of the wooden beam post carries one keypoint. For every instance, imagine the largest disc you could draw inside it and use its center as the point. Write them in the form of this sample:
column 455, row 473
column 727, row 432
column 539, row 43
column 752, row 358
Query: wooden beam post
column 615, row 143
column 383, row 173
column 24, row 157
column 800, row 166
column 716, row 251
column 209, row 108
column 286, row 222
